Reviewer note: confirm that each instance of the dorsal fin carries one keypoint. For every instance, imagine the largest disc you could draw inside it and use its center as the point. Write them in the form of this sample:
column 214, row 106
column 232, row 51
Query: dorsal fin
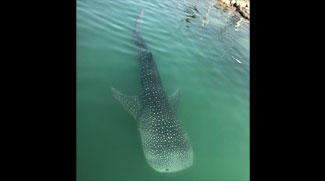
column 131, row 103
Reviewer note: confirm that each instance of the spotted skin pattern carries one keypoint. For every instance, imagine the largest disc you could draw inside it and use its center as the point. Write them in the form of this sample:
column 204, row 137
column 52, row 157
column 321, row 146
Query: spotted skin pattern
column 165, row 144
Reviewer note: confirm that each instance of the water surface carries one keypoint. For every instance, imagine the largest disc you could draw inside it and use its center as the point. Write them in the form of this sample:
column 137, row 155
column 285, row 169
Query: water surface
column 198, row 48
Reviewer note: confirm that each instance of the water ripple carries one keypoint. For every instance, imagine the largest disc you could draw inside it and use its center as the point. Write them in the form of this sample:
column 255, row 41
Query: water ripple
column 198, row 48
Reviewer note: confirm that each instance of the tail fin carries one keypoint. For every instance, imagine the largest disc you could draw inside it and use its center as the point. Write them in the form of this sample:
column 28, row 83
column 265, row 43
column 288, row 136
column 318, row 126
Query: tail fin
column 139, row 20
column 137, row 39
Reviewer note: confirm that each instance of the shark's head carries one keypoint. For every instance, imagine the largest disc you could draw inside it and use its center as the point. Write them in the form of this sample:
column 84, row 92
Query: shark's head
column 172, row 161
column 165, row 144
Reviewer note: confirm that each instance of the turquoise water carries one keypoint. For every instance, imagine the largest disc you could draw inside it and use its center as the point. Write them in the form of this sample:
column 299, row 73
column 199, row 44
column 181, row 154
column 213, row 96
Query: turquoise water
column 200, row 49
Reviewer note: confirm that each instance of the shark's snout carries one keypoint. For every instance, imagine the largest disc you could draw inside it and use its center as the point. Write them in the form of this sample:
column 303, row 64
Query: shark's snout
column 172, row 162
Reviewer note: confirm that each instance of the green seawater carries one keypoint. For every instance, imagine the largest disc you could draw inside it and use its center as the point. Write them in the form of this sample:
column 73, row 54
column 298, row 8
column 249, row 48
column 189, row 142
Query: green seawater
column 200, row 49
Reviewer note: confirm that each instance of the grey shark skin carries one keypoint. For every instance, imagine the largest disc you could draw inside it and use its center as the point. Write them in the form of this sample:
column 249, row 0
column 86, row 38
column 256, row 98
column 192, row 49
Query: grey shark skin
column 165, row 144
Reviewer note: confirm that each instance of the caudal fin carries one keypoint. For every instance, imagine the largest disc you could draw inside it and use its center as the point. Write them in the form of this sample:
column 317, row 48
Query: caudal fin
column 137, row 39
column 139, row 20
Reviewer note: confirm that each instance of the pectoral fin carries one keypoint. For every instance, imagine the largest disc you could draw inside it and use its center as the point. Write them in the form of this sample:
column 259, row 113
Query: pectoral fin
column 173, row 100
column 131, row 103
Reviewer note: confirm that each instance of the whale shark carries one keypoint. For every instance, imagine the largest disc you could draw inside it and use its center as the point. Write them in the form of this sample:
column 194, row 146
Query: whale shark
column 165, row 143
